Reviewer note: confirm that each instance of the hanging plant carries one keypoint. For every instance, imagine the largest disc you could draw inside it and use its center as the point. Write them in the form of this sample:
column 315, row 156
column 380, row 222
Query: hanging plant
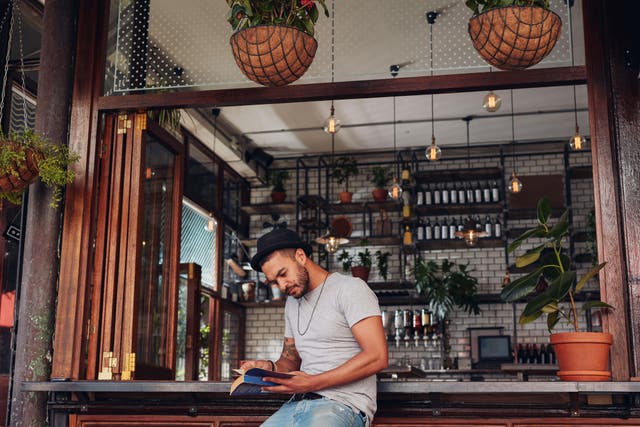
column 513, row 34
column 26, row 155
column 273, row 42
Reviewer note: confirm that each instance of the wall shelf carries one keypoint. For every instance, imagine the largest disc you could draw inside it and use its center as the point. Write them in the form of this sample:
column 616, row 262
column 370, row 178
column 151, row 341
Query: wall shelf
column 269, row 208
column 459, row 175
column 425, row 245
column 458, row 209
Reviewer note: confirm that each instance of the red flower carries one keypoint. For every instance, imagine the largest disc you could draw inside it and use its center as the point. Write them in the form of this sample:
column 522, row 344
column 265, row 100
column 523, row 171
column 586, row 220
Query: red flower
column 307, row 3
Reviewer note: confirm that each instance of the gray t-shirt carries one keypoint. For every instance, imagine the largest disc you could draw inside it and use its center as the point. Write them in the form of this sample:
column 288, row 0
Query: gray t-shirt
column 328, row 343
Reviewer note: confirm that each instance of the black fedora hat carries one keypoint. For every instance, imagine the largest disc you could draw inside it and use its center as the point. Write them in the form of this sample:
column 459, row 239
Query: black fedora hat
column 278, row 238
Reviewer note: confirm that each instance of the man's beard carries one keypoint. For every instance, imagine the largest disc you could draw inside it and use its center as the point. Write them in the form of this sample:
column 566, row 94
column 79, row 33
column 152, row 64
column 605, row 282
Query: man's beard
column 302, row 281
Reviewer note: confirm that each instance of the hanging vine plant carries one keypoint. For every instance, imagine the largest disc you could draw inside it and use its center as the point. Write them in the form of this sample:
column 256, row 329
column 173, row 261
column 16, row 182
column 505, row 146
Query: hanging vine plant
column 26, row 155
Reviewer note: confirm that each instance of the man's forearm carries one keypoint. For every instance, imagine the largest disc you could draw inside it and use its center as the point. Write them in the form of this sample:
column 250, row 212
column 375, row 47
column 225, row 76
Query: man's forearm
column 286, row 365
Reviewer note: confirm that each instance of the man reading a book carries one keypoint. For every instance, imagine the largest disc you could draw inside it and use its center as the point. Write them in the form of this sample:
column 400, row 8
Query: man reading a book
column 334, row 342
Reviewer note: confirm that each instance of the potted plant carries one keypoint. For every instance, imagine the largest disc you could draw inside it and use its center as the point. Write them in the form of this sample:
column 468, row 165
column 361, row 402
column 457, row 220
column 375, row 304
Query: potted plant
column 558, row 299
column 382, row 263
column 381, row 176
column 26, row 155
column 446, row 285
column 341, row 170
column 278, row 178
column 359, row 264
column 513, row 34
column 272, row 41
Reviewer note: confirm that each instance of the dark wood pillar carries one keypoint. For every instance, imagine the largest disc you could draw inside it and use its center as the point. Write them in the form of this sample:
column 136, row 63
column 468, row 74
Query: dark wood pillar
column 614, row 113
column 40, row 260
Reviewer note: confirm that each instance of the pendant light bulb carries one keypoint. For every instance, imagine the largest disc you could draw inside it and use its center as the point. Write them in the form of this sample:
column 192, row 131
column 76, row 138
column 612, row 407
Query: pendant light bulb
column 470, row 232
column 515, row 185
column 491, row 102
column 577, row 141
column 332, row 245
column 395, row 192
column 332, row 124
column 433, row 152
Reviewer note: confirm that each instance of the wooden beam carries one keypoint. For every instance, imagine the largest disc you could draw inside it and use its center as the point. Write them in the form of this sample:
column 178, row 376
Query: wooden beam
column 540, row 77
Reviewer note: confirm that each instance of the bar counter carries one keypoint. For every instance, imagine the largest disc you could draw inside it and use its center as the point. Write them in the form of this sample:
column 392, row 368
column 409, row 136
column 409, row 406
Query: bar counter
column 399, row 402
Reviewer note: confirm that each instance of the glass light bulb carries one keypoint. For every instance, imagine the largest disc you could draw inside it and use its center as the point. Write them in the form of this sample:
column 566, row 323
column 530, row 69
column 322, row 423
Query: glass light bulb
column 332, row 245
column 577, row 141
column 332, row 124
column 395, row 192
column 491, row 102
column 433, row 152
column 470, row 237
column 515, row 185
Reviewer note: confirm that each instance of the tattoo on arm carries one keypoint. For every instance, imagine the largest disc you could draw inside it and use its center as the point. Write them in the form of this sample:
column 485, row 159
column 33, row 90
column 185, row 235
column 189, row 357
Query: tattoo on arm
column 290, row 355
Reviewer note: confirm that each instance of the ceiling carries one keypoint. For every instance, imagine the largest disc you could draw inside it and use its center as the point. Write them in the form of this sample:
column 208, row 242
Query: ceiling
column 369, row 37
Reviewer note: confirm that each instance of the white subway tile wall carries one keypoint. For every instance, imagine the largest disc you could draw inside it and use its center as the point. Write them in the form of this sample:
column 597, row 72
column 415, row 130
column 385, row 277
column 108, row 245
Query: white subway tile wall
column 265, row 325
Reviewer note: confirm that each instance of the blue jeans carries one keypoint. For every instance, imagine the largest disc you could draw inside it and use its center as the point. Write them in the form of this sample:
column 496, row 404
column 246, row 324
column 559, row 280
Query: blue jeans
column 315, row 413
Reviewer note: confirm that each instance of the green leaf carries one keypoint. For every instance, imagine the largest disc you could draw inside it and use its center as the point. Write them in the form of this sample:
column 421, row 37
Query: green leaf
column 560, row 287
column 528, row 319
column 596, row 304
column 530, row 257
column 552, row 320
column 520, row 287
column 524, row 236
column 583, row 281
column 538, row 303
column 560, row 229
column 544, row 210
column 551, row 308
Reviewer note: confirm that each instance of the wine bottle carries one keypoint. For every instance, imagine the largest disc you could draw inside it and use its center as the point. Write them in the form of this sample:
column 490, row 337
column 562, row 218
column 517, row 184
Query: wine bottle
column 428, row 231
column 486, row 193
column 420, row 198
column 428, row 196
column 477, row 193
column 453, row 227
column 488, row 227
column 437, row 196
column 552, row 354
column 420, row 232
column 444, row 233
column 437, row 231
column 544, row 356
column 497, row 228
column 521, row 354
column 535, row 354
column 407, row 237
column 469, row 191
column 462, row 195
column 445, row 195
column 453, row 194
column 495, row 192
column 461, row 224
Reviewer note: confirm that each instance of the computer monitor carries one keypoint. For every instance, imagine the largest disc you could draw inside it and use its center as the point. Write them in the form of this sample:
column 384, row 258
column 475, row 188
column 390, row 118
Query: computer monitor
column 494, row 350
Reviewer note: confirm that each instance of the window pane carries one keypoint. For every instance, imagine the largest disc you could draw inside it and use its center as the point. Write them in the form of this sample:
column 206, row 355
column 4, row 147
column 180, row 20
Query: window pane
column 181, row 328
column 200, row 180
column 153, row 291
column 198, row 242
column 230, row 356
column 205, row 338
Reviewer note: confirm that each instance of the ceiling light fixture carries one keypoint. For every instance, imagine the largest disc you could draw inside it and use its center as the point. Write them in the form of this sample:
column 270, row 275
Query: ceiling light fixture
column 577, row 142
column 491, row 102
column 433, row 152
column 395, row 192
column 470, row 232
column 515, row 185
column 332, row 124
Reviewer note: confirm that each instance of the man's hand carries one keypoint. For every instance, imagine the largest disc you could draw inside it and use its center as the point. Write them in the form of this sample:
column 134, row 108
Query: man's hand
column 301, row 382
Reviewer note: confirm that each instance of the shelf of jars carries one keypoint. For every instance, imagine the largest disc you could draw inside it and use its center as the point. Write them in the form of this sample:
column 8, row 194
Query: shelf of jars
column 269, row 208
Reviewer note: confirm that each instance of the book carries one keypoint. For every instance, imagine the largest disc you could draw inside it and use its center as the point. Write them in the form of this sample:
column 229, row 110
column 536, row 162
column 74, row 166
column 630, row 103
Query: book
column 250, row 381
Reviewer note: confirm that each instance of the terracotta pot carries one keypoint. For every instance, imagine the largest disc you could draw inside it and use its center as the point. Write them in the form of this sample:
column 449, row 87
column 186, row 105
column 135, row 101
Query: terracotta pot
column 380, row 194
column 278, row 196
column 515, row 37
column 582, row 356
column 346, row 197
column 273, row 55
column 361, row 272
column 24, row 175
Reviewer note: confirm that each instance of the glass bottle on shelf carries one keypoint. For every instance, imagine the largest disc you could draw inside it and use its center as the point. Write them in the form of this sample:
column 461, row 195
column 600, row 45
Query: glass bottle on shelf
column 444, row 232
column 462, row 195
column 419, row 198
column 461, row 224
column 437, row 231
column 495, row 192
column 407, row 237
column 437, row 195
column 478, row 223
column 469, row 192
column 445, row 195
column 428, row 231
column 497, row 228
column 406, row 204
column 428, row 196
column 488, row 227
column 420, row 233
column 477, row 193
column 486, row 192
column 453, row 227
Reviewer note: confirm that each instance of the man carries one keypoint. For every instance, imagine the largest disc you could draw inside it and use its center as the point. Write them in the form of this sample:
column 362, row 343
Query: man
column 334, row 343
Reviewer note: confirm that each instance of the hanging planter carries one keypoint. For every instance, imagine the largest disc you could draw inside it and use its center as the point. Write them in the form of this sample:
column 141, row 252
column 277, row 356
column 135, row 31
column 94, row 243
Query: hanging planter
column 18, row 166
column 273, row 55
column 273, row 42
column 514, row 37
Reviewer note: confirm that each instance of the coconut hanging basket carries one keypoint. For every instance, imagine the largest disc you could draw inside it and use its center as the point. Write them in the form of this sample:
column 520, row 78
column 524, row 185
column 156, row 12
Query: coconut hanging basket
column 273, row 55
column 22, row 174
column 515, row 37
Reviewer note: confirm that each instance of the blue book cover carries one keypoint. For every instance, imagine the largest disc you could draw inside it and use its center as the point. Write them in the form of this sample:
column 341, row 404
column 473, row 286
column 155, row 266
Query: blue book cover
column 250, row 382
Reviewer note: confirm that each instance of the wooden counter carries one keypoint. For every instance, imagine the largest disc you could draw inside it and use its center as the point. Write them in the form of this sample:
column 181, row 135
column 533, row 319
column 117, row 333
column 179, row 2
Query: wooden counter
column 423, row 403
